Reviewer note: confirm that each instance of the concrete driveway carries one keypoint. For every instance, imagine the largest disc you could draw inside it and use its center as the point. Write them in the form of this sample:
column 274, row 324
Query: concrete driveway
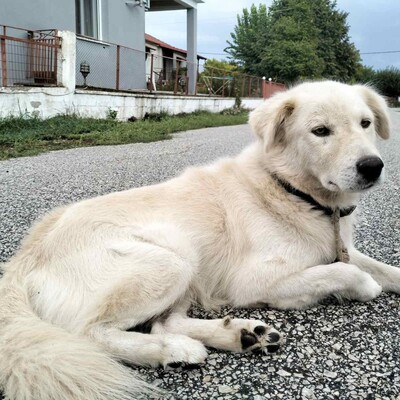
column 333, row 351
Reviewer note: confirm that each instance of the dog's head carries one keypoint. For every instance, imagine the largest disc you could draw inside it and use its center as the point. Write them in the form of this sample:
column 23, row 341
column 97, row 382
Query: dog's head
column 326, row 130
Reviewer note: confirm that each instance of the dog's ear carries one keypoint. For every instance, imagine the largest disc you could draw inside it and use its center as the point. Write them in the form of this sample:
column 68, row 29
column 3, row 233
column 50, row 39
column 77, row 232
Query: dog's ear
column 380, row 109
column 268, row 120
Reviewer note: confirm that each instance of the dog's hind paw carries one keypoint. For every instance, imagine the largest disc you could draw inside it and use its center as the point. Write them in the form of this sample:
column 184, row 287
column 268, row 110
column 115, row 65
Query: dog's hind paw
column 180, row 350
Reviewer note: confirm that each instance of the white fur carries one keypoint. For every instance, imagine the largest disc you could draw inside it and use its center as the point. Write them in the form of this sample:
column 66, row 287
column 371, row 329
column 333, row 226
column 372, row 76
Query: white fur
column 223, row 234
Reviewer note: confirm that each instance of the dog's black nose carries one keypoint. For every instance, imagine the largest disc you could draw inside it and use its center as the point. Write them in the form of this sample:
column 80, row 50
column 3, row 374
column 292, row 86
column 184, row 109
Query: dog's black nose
column 370, row 168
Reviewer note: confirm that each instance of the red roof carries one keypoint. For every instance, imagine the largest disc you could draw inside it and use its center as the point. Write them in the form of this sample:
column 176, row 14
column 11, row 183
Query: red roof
column 164, row 45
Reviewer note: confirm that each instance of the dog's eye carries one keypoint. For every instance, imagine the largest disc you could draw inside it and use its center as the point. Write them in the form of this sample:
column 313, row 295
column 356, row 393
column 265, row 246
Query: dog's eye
column 365, row 123
column 321, row 131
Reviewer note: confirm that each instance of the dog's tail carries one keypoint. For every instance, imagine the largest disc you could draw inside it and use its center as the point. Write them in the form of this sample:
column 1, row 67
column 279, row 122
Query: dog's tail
column 43, row 362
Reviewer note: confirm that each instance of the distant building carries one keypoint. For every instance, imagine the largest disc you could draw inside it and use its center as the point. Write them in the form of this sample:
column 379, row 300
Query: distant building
column 167, row 59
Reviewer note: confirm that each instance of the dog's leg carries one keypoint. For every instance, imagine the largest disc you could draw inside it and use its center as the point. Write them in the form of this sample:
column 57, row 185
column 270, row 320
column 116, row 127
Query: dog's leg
column 149, row 350
column 305, row 288
column 386, row 275
column 138, row 301
column 154, row 273
column 232, row 334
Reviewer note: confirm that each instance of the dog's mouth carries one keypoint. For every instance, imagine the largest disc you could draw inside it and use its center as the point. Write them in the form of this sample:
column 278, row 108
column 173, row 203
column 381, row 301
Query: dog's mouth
column 369, row 185
column 364, row 186
column 359, row 187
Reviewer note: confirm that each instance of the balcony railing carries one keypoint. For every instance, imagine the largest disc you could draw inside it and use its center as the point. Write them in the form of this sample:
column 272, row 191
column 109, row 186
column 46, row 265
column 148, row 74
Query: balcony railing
column 27, row 57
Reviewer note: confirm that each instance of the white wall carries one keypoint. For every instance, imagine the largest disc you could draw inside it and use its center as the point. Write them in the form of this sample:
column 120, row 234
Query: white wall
column 38, row 14
column 48, row 102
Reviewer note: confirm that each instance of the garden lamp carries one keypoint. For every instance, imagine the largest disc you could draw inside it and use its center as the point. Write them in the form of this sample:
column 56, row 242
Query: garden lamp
column 84, row 70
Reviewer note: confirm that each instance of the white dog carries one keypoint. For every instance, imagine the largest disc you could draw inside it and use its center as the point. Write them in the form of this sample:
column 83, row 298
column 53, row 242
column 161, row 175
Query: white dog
column 261, row 228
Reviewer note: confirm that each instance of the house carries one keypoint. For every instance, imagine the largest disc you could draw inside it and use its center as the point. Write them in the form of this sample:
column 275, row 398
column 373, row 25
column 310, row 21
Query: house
column 69, row 51
column 99, row 24
column 163, row 60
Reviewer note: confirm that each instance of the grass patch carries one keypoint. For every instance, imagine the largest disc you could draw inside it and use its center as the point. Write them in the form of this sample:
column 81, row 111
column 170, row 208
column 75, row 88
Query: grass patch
column 27, row 136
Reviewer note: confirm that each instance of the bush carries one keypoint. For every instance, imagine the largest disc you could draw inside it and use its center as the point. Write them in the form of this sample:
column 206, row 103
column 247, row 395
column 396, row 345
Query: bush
column 365, row 74
column 388, row 81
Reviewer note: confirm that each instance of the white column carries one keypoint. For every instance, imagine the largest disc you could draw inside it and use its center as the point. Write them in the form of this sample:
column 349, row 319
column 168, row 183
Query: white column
column 67, row 60
column 192, row 49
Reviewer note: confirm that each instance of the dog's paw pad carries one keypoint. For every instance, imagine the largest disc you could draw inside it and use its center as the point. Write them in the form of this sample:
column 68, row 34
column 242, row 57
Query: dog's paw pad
column 273, row 348
column 274, row 337
column 247, row 339
column 260, row 330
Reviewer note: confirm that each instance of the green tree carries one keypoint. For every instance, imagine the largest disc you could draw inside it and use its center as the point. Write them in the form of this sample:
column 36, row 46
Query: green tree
column 295, row 39
column 340, row 56
column 292, row 51
column 249, row 38
column 213, row 67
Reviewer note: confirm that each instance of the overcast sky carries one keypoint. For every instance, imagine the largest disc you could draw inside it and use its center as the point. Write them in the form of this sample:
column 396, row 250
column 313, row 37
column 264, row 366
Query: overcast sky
column 374, row 27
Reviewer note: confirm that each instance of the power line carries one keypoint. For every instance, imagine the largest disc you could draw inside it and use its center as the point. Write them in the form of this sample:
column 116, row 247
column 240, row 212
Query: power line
column 372, row 52
column 383, row 52
column 178, row 22
column 214, row 54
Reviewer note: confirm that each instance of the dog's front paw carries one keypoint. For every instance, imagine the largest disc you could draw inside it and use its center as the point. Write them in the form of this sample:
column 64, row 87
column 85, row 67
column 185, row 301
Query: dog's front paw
column 259, row 341
column 255, row 336
column 369, row 289
column 366, row 288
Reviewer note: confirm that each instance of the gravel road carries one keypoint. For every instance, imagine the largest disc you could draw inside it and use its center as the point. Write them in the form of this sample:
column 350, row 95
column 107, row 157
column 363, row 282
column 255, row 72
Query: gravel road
column 333, row 351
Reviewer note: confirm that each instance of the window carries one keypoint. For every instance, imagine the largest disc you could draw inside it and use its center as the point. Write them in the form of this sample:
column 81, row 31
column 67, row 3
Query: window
column 88, row 21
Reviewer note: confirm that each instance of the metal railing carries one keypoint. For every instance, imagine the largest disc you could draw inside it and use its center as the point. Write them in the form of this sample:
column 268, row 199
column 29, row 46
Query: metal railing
column 270, row 88
column 116, row 67
column 215, row 82
column 28, row 57
column 173, row 77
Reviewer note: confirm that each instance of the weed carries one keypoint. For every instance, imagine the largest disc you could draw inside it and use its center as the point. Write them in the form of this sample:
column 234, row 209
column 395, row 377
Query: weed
column 238, row 102
column 234, row 111
column 155, row 116
column 112, row 114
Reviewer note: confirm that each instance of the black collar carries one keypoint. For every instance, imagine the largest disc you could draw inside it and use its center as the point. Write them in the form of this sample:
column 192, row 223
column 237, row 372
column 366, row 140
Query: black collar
column 344, row 212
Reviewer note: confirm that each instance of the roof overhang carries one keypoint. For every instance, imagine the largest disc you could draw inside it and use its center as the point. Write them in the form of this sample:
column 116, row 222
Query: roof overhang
column 167, row 5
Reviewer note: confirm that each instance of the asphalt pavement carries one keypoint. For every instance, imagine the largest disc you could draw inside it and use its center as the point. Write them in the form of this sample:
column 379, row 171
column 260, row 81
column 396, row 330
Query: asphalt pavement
column 333, row 351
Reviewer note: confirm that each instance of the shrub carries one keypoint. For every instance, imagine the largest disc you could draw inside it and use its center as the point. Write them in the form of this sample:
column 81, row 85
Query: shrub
column 388, row 81
column 365, row 74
